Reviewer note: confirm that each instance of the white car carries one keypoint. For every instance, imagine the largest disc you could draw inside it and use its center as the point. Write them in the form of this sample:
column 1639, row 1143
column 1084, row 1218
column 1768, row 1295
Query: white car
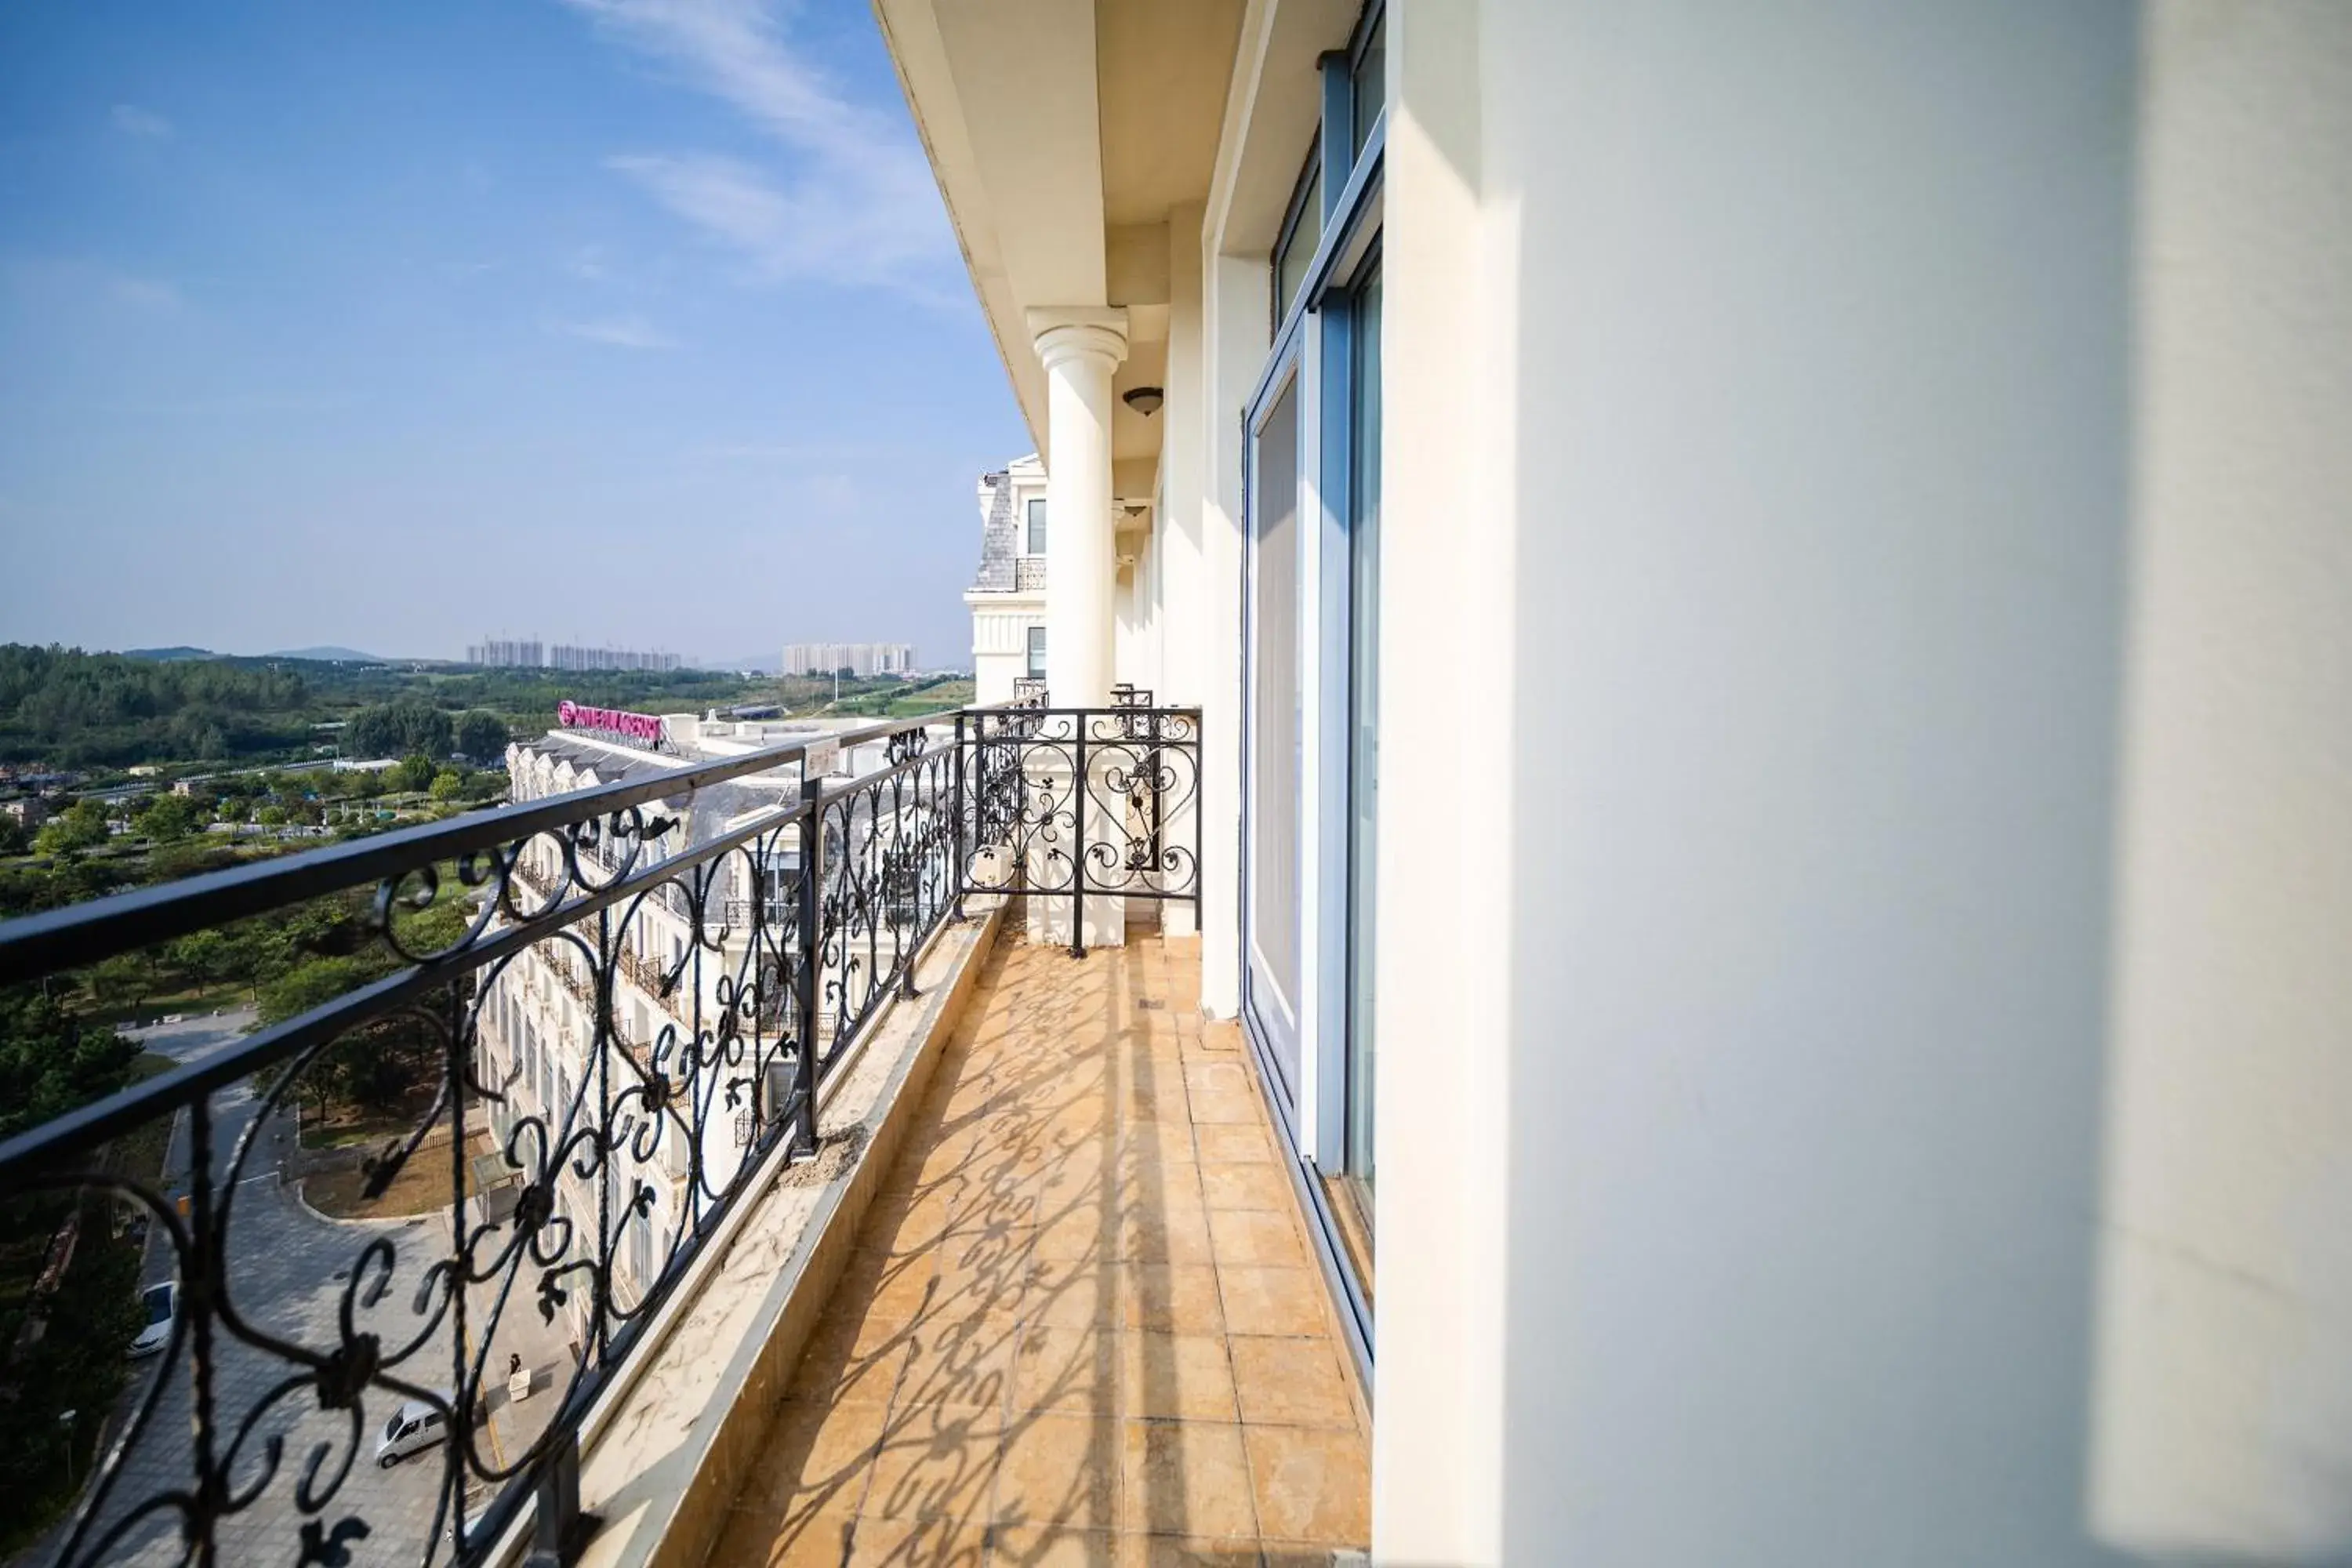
column 162, row 1303
column 411, row 1429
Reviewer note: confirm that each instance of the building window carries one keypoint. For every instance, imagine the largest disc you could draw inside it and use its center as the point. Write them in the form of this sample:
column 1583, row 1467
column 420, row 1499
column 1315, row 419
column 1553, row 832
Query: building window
column 1036, row 527
column 1037, row 653
column 1302, row 227
column 1369, row 81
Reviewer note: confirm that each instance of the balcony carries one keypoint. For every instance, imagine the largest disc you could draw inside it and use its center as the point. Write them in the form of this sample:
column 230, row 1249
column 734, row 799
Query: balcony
column 1079, row 1322
column 1029, row 575
column 1005, row 1217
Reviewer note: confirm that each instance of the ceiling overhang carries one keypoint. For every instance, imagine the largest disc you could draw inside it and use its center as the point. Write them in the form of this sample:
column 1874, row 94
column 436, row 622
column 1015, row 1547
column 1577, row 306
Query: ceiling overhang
column 1062, row 133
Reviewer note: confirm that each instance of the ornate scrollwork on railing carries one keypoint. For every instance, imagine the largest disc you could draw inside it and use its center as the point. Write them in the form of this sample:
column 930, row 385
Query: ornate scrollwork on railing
column 480, row 1176
column 1082, row 802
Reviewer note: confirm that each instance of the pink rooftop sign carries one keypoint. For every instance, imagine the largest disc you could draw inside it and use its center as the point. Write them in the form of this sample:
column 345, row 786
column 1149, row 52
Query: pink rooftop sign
column 628, row 726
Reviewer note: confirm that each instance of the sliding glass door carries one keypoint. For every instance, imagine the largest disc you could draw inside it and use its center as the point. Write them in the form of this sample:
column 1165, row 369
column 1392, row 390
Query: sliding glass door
column 1273, row 970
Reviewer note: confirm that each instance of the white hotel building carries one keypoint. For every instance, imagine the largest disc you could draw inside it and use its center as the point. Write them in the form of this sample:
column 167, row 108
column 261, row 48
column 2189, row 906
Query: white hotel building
column 537, row 1031
column 1840, row 968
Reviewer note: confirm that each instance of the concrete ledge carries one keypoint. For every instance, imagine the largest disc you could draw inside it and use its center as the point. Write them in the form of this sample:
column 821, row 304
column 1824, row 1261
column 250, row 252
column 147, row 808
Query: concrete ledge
column 663, row 1462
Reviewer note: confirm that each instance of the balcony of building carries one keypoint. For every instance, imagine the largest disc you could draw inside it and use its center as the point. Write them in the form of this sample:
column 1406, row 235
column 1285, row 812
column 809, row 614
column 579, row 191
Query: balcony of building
column 1079, row 1322
column 911, row 1211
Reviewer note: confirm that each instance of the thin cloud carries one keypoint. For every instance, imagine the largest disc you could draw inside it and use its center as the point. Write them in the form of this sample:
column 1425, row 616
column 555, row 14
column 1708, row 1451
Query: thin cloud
column 858, row 207
column 133, row 121
column 620, row 331
column 144, row 293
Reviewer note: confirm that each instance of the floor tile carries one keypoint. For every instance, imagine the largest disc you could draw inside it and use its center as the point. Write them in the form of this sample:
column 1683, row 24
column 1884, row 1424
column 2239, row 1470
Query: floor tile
column 1060, row 1470
column 1216, row 1077
column 1072, row 1294
column 1185, row 1478
column 1239, row 1108
column 1293, row 1382
column 1173, row 1551
column 1311, row 1485
column 1151, row 1234
column 1020, row 1546
column 935, row 1463
column 1185, row 1377
column 1239, row 1186
column 1071, row 1370
column 849, row 1360
column 879, row 1285
column 916, row 1543
column 1170, row 1298
column 755, row 1539
column 817, row 1458
column 1273, row 1300
column 1234, row 1145
column 956, row 1364
column 1241, row 1237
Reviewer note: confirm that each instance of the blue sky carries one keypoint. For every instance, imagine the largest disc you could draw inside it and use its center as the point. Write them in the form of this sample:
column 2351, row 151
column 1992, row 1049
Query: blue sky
column 393, row 325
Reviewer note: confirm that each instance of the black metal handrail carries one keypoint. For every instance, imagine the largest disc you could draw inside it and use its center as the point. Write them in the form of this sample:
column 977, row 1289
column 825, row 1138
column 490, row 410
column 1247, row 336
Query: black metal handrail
column 585, row 1172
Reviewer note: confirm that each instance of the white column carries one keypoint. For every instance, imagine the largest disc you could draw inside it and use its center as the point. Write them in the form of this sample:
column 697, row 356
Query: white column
column 1080, row 348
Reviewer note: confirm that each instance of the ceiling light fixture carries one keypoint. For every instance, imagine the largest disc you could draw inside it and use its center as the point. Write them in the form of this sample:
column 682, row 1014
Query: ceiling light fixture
column 1144, row 400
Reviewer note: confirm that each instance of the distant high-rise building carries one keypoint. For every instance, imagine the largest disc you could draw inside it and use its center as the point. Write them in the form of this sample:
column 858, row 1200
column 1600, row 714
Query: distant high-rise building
column 531, row 654
column 861, row 658
column 506, row 653
column 570, row 656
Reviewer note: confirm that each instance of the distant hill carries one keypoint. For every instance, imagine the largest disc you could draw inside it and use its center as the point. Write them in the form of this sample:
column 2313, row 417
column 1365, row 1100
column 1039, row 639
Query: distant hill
column 166, row 655
column 329, row 655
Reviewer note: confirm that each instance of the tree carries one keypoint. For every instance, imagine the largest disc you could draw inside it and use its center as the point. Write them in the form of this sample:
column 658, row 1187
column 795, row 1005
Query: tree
column 51, row 1062
column 415, row 771
column 270, row 815
column 169, row 817
column 377, row 1064
column 115, row 980
column 311, row 983
column 402, row 725
column 448, row 785
column 81, row 826
column 481, row 735
column 13, row 838
column 203, row 956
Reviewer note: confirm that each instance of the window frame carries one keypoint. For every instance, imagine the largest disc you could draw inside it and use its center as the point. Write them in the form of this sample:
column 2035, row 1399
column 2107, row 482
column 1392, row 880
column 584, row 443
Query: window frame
column 1036, row 520
column 1034, row 652
column 1312, row 337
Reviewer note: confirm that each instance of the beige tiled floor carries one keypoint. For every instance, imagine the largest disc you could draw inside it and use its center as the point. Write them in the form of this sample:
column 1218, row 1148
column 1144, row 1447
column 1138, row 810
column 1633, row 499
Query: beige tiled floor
column 1081, row 1325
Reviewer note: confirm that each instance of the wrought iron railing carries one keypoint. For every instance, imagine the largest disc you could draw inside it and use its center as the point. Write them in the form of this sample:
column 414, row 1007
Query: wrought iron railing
column 1028, row 573
column 541, row 1181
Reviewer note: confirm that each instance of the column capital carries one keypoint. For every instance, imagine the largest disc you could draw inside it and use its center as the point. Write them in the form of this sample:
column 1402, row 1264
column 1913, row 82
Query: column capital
column 1067, row 331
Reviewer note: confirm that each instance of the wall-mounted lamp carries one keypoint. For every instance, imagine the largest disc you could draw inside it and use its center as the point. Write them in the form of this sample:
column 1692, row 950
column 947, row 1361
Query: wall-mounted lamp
column 1144, row 400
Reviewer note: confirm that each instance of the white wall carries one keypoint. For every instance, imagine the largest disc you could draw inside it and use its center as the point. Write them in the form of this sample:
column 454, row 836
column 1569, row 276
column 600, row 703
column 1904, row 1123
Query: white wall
column 1442, row 1072
column 1000, row 641
column 2223, row 1413
column 1779, row 360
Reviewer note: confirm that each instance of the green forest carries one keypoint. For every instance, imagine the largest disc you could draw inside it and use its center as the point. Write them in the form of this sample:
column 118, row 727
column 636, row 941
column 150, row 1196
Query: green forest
column 62, row 708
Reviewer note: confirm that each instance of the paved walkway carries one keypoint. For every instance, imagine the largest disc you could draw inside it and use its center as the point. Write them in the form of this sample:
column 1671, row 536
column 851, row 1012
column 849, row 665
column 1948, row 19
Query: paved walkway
column 1081, row 1325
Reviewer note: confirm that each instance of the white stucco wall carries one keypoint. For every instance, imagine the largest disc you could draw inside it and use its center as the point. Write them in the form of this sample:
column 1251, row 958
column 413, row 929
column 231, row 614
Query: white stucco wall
column 1000, row 641
column 1790, row 354
column 2223, row 1413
